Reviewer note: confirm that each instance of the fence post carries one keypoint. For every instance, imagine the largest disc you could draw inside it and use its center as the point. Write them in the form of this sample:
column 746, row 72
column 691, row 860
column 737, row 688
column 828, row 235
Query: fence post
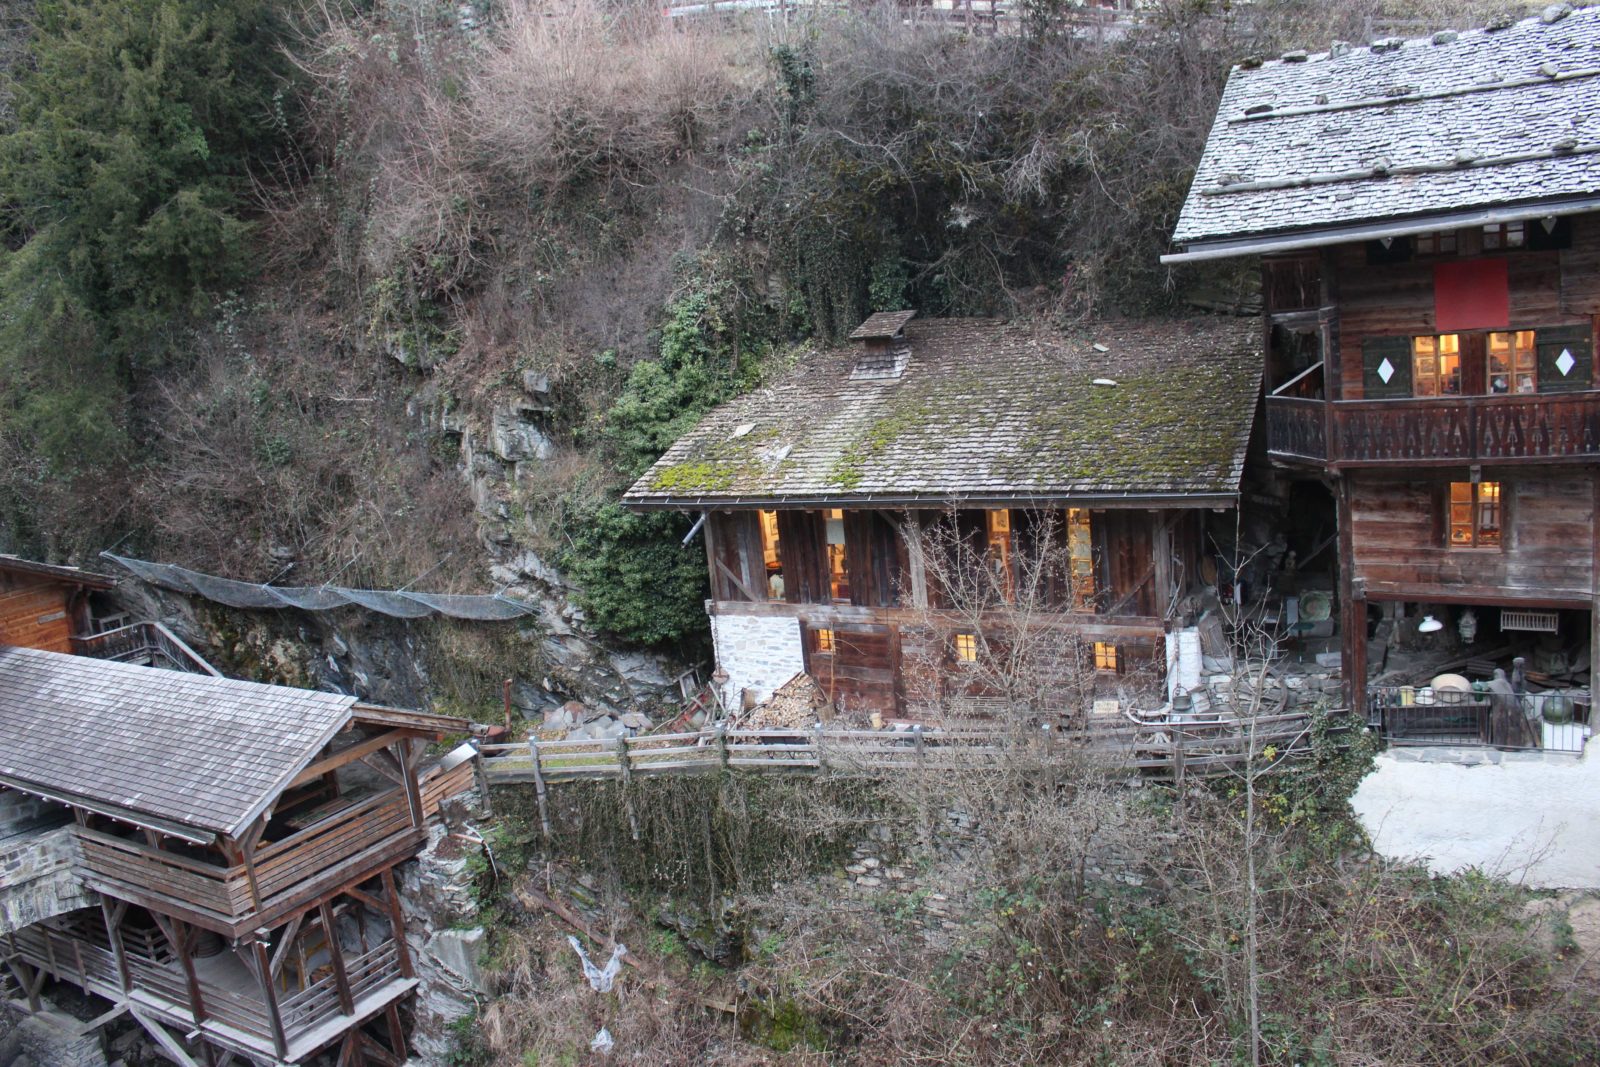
column 1049, row 756
column 626, row 767
column 722, row 744
column 924, row 827
column 481, row 774
column 1177, row 753
column 538, row 788
column 822, row 763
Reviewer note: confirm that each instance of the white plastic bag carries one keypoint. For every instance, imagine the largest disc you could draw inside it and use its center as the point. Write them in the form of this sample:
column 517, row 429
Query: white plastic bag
column 600, row 980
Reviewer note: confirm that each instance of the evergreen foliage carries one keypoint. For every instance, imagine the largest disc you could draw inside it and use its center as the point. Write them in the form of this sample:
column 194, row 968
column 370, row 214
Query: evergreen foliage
column 135, row 124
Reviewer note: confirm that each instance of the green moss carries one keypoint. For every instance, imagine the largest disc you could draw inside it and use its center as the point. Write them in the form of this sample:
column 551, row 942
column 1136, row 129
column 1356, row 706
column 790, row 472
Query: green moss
column 694, row 475
column 849, row 468
column 781, row 1026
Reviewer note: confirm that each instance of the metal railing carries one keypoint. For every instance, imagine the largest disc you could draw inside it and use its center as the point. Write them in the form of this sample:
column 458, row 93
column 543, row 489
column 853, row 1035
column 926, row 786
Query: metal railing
column 144, row 642
column 1410, row 716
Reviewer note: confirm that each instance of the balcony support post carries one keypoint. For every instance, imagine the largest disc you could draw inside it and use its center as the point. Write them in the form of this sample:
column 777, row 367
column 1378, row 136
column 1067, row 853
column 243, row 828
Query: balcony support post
column 341, row 976
column 397, row 923
column 1353, row 652
column 255, row 955
column 112, row 911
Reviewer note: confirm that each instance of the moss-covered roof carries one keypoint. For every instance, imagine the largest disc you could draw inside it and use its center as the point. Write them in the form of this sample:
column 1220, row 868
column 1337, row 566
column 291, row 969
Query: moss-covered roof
column 985, row 411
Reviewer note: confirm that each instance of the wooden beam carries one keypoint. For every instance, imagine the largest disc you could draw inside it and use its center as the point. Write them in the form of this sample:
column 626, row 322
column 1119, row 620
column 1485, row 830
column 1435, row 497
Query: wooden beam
column 184, row 943
column 267, row 976
column 167, row 1043
column 408, row 781
column 341, row 977
column 112, row 912
column 397, row 925
column 385, row 764
column 349, row 754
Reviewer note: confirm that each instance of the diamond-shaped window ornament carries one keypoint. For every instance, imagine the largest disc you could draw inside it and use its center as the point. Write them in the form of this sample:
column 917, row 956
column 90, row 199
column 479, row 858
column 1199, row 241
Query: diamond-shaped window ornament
column 1386, row 371
column 1565, row 362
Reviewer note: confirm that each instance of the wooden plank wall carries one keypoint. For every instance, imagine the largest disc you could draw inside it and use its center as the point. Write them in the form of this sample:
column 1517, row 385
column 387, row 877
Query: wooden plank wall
column 35, row 614
column 1398, row 533
column 1546, row 289
column 862, row 674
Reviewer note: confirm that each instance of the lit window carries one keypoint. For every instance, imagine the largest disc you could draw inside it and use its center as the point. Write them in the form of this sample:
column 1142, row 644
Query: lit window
column 1513, row 363
column 824, row 640
column 999, row 529
column 1435, row 244
column 1105, row 656
column 966, row 646
column 1436, row 365
column 1474, row 515
column 771, row 555
column 838, row 568
column 1506, row 235
column 1080, row 559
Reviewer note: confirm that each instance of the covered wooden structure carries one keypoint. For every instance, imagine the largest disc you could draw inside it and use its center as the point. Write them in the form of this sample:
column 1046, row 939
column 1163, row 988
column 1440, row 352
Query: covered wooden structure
column 832, row 497
column 43, row 605
column 1427, row 216
column 241, row 838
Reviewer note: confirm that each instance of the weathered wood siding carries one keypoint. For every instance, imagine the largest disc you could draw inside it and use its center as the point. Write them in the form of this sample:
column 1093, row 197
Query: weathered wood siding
column 862, row 673
column 35, row 613
column 1547, row 529
column 1555, row 288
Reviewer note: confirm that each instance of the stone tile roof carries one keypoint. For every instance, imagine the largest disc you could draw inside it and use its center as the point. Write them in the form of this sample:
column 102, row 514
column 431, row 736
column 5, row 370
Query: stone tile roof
column 985, row 411
column 189, row 749
column 1455, row 122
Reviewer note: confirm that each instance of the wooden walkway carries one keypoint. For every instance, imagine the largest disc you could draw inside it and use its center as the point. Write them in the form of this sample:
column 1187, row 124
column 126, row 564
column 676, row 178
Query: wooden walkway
column 1160, row 750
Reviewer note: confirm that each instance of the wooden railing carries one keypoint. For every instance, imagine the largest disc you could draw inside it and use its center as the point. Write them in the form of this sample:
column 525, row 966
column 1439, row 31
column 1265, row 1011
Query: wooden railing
column 318, row 1002
column 1297, row 427
column 148, row 642
column 1157, row 749
column 1460, row 429
column 83, row 957
column 134, row 871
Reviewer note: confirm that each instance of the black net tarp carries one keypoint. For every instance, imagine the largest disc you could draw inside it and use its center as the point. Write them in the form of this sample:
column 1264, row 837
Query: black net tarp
column 395, row 603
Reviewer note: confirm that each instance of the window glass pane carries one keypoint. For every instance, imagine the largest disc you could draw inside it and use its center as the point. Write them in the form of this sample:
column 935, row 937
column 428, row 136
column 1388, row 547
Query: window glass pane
column 1080, row 558
column 967, row 648
column 1500, row 362
column 824, row 640
column 999, row 523
column 1461, row 492
column 838, row 571
column 1105, row 656
column 771, row 554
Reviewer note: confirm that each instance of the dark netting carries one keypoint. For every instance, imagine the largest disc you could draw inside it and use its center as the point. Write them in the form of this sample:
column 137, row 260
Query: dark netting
column 400, row 605
column 308, row 597
column 163, row 574
column 479, row 608
column 229, row 592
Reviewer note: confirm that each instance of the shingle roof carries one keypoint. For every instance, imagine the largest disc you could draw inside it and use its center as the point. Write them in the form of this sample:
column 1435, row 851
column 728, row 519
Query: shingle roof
column 1484, row 118
column 18, row 565
column 985, row 410
column 190, row 749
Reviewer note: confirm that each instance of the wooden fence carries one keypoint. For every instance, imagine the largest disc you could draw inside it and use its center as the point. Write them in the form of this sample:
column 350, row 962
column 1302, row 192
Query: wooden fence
column 1159, row 750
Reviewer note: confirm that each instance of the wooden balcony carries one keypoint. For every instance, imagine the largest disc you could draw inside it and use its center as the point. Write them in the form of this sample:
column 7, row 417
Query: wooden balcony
column 1544, row 428
column 235, row 1013
column 363, row 835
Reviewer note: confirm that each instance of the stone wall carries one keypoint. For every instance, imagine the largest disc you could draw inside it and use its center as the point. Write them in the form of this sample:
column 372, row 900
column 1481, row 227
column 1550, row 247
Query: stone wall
column 36, row 878
column 758, row 653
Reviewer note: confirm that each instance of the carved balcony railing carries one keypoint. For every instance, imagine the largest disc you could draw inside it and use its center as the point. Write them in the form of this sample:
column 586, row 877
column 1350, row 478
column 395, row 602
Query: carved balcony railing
column 1448, row 430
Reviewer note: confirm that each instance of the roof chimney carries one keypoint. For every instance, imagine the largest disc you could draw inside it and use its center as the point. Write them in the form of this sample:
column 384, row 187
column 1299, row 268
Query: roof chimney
column 884, row 348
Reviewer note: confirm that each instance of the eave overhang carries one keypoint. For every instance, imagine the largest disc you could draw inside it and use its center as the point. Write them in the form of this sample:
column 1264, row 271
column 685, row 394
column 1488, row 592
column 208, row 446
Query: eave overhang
column 917, row 501
column 1378, row 229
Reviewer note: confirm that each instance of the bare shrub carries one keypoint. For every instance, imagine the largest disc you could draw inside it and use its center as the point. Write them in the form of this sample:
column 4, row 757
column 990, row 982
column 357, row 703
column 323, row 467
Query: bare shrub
column 602, row 93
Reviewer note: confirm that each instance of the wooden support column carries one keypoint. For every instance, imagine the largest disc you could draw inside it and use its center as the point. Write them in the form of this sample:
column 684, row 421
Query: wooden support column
column 1594, row 577
column 112, row 912
column 341, row 977
column 397, row 924
column 30, row 979
column 261, row 965
column 1161, row 548
column 182, row 937
column 402, row 752
column 1353, row 610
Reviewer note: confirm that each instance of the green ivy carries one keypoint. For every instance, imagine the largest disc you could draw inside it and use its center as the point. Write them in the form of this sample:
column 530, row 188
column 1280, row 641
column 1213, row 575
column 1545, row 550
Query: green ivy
column 636, row 578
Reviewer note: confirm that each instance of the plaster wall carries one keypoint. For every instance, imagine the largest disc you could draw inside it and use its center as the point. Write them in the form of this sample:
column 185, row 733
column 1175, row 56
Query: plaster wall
column 1527, row 816
column 759, row 653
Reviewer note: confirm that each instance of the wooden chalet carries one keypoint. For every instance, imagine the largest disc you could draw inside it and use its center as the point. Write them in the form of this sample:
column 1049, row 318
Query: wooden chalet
column 1110, row 443
column 43, row 605
column 1427, row 218
column 239, row 840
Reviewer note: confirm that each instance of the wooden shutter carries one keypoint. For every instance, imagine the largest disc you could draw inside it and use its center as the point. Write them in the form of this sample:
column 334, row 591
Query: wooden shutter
column 872, row 547
column 1374, row 350
column 1551, row 342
